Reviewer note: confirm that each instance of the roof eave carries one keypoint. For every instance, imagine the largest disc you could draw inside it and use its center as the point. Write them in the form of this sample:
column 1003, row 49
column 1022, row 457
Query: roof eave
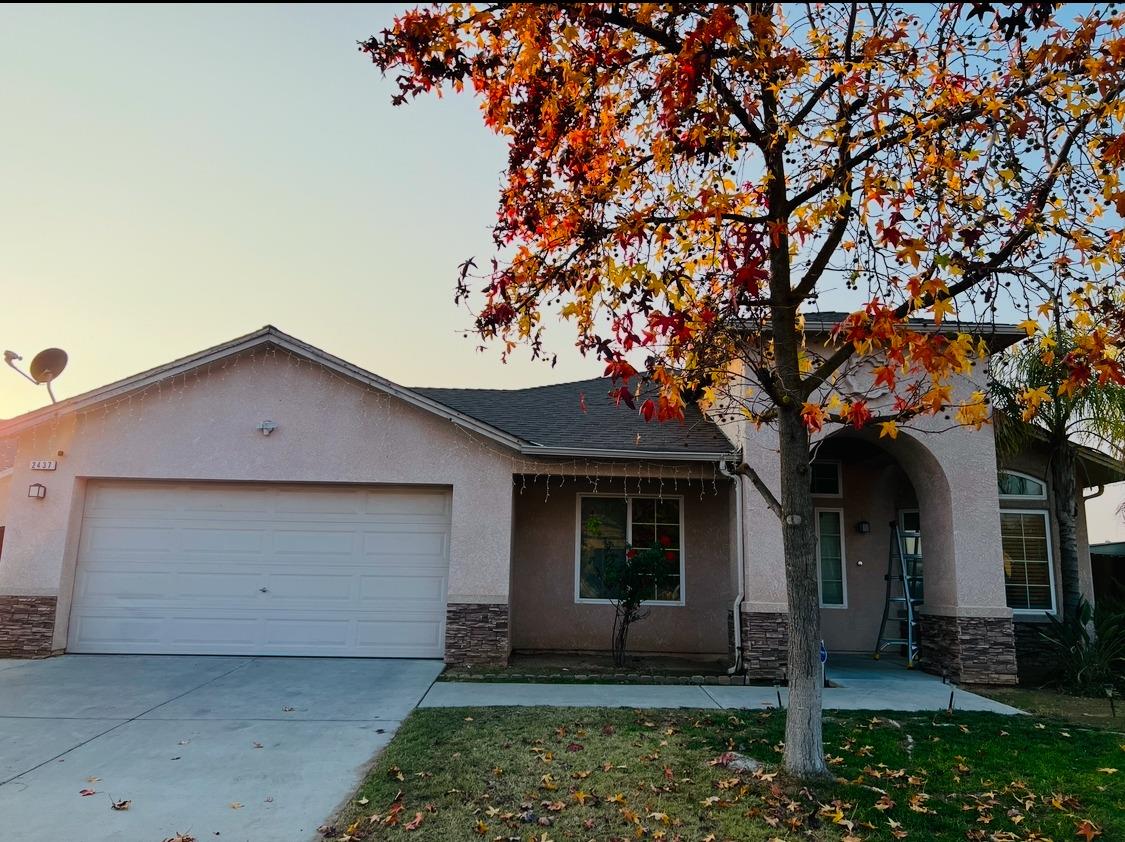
column 597, row 453
column 265, row 336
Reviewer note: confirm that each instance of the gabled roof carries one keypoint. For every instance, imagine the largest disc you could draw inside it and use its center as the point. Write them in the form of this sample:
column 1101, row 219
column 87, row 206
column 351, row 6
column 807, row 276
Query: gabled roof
column 998, row 335
column 543, row 435
column 581, row 416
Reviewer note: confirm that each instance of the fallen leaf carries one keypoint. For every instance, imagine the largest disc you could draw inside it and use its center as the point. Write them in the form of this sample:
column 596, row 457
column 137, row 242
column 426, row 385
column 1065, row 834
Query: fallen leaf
column 287, row 709
column 180, row 837
column 257, row 745
column 120, row 805
column 1087, row 829
column 573, row 747
column 363, row 801
column 235, row 805
column 93, row 779
column 1108, row 770
column 415, row 822
column 85, row 792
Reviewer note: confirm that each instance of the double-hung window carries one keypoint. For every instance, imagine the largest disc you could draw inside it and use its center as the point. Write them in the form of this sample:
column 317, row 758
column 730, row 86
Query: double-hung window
column 1025, row 535
column 608, row 525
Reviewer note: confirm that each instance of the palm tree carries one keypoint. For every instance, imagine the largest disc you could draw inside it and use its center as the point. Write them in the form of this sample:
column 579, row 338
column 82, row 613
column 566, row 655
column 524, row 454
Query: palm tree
column 1025, row 387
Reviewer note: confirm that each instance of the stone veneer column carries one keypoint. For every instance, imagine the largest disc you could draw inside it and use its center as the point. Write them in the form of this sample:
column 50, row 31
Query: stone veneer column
column 477, row 633
column 765, row 639
column 27, row 624
column 970, row 650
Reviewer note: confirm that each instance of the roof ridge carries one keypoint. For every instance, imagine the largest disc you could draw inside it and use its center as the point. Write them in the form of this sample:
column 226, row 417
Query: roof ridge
column 506, row 390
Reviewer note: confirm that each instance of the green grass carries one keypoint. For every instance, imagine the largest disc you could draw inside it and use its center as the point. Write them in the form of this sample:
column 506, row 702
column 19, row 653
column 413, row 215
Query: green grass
column 582, row 774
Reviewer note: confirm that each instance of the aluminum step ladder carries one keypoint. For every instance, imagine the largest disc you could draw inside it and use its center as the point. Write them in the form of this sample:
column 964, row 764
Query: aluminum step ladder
column 904, row 594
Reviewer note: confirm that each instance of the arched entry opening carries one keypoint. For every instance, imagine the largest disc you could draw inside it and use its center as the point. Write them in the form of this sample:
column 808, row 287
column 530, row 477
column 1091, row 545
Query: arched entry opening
column 861, row 486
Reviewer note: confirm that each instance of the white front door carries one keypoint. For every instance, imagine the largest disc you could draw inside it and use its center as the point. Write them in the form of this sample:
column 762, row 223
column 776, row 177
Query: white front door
column 261, row 569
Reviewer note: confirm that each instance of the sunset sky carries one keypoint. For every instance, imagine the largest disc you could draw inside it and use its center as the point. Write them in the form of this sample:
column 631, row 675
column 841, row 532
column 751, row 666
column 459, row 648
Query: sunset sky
column 174, row 177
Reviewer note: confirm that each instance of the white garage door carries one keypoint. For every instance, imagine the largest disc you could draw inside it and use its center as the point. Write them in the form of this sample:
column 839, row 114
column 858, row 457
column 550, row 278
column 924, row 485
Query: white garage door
column 207, row 568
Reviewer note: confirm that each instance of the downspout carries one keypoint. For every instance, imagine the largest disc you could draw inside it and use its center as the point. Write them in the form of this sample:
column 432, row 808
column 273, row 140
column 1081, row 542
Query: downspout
column 740, row 566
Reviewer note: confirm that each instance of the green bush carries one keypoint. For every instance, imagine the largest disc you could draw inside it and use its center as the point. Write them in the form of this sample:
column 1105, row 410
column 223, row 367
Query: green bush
column 1090, row 649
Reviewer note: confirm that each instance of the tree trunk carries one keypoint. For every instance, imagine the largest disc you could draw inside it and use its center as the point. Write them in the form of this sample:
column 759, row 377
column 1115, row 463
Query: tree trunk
column 804, row 744
column 1064, row 486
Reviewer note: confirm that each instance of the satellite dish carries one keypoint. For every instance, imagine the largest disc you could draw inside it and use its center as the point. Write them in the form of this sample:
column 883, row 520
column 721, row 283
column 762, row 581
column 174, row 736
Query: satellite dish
column 48, row 365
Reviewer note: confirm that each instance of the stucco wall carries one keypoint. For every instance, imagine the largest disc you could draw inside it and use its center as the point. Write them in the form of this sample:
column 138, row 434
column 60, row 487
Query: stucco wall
column 545, row 615
column 5, row 493
column 203, row 427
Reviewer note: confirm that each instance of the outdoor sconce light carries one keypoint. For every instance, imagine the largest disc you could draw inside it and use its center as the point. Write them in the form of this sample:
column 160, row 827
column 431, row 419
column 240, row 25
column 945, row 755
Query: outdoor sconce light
column 863, row 527
column 267, row 427
column 37, row 491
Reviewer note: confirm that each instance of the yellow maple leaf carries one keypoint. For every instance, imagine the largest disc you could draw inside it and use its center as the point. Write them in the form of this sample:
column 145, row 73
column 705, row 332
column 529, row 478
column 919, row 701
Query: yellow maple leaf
column 888, row 428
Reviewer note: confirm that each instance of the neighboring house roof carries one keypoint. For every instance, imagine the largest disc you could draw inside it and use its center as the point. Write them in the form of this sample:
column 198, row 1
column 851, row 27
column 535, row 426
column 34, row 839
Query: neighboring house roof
column 1115, row 549
column 620, row 444
column 998, row 335
column 581, row 415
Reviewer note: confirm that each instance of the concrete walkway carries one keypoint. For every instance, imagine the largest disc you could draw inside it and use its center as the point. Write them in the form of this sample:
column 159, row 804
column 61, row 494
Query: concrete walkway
column 224, row 748
column 861, row 684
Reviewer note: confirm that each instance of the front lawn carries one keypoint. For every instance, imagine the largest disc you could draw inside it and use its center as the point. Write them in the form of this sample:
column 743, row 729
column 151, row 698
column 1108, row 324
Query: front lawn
column 1078, row 710
column 583, row 773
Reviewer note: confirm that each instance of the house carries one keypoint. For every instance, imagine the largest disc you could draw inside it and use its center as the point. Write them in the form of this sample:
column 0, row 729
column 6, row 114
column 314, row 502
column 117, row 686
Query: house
column 265, row 497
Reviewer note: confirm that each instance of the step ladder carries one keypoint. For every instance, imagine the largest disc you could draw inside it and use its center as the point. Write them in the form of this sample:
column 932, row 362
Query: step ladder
column 904, row 594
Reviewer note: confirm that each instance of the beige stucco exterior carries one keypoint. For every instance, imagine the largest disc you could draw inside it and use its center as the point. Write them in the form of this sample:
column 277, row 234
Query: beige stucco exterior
column 203, row 426
column 545, row 612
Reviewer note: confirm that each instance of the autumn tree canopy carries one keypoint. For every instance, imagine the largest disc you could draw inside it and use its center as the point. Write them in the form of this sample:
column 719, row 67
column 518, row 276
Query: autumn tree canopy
column 677, row 172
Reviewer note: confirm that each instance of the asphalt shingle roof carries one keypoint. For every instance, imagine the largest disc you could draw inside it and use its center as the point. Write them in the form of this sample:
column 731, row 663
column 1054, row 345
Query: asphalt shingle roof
column 553, row 416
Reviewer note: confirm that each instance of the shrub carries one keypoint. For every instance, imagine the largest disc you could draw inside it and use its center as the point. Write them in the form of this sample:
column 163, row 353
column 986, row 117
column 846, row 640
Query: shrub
column 1090, row 649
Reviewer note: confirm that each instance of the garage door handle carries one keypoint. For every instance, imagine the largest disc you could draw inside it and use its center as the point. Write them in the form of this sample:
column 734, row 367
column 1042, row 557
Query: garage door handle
column 264, row 590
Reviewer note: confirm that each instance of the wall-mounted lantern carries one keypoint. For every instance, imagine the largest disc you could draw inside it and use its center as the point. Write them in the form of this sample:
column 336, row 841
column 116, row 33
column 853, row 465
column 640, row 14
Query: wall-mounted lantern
column 863, row 527
column 37, row 491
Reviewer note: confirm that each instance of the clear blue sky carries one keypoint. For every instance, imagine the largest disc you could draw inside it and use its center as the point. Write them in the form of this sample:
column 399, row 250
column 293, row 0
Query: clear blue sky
column 175, row 177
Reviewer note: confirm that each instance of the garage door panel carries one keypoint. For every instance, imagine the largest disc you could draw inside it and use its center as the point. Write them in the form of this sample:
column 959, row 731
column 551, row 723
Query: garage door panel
column 212, row 539
column 181, row 567
column 427, row 591
column 319, row 542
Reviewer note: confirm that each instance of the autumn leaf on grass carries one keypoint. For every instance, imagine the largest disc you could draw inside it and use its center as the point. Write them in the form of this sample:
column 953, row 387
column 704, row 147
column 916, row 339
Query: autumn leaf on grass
column 548, row 782
column 582, row 797
column 1107, row 770
column 396, row 773
column 480, row 828
column 884, row 803
column 1087, row 829
column 120, row 805
column 415, row 822
column 573, row 747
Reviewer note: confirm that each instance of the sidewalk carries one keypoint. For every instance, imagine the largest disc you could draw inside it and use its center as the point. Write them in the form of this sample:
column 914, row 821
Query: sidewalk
column 905, row 691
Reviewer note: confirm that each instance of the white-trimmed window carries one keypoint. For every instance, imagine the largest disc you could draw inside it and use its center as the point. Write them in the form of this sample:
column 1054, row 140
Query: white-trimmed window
column 1029, row 578
column 1012, row 484
column 824, row 479
column 830, row 558
column 608, row 524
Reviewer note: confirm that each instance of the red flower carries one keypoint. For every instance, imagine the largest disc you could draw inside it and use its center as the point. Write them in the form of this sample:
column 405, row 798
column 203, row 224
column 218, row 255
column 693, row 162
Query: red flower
column 630, row 554
column 670, row 555
column 665, row 541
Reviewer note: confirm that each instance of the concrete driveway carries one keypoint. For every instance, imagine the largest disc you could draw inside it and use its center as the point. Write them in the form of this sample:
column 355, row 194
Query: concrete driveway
column 186, row 739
